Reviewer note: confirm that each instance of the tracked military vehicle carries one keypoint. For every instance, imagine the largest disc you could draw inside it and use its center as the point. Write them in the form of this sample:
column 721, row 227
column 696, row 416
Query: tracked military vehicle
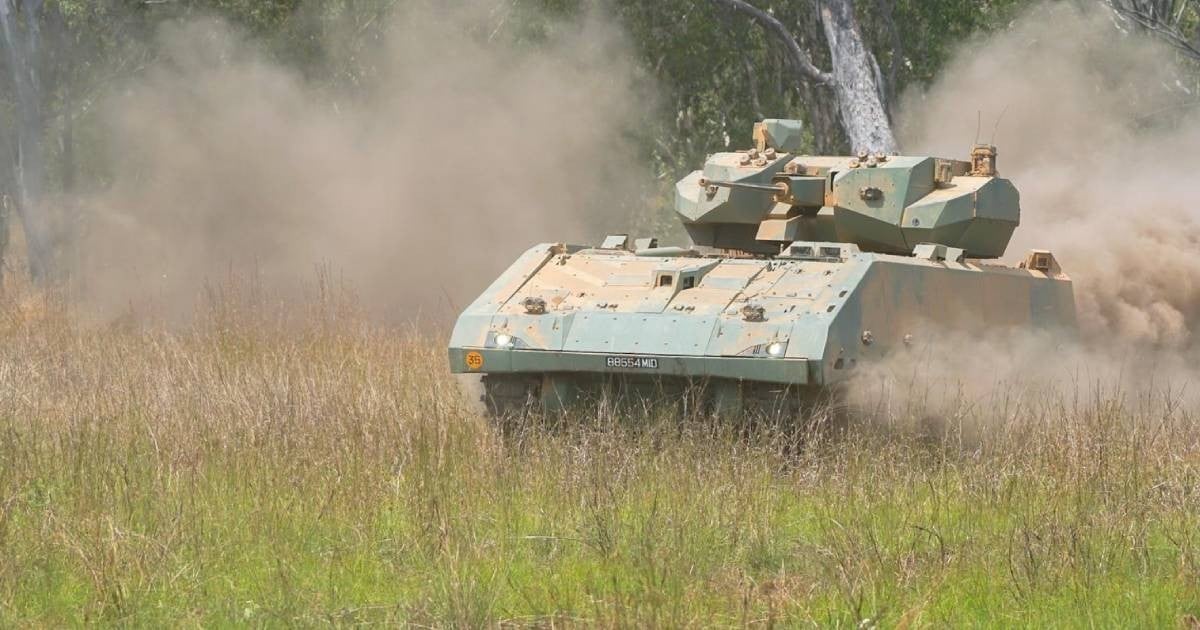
column 801, row 269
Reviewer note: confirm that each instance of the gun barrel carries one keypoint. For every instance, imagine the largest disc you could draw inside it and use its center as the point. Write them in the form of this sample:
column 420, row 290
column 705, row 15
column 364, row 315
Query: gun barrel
column 771, row 188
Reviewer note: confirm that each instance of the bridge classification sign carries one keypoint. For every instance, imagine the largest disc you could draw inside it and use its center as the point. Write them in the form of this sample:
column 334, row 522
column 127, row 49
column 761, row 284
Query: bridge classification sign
column 474, row 360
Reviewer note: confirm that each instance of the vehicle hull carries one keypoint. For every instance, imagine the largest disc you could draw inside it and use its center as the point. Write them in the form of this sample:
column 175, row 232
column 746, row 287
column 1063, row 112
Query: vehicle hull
column 597, row 312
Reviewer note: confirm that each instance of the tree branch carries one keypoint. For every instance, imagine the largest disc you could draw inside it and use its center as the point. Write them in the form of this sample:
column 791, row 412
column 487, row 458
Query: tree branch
column 800, row 60
column 1150, row 21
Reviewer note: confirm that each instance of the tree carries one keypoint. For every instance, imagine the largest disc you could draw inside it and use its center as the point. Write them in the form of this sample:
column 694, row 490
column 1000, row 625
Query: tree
column 1177, row 22
column 855, row 78
column 21, row 42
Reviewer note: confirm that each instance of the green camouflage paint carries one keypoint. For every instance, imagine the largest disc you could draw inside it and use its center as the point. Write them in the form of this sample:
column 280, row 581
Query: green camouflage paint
column 801, row 269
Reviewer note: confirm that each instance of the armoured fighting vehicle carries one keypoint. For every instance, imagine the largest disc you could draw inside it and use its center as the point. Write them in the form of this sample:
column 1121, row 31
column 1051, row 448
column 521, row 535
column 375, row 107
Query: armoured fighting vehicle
column 801, row 269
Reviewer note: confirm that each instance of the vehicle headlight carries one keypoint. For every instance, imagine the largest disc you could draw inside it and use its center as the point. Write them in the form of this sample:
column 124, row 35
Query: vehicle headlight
column 776, row 349
column 504, row 341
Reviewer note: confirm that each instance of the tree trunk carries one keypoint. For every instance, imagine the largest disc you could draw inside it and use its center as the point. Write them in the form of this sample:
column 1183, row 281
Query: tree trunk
column 22, row 47
column 820, row 100
column 68, row 141
column 5, row 224
column 856, row 80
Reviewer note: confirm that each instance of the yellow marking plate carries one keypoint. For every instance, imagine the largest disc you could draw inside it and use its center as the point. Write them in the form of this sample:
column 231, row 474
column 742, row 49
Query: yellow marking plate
column 474, row 360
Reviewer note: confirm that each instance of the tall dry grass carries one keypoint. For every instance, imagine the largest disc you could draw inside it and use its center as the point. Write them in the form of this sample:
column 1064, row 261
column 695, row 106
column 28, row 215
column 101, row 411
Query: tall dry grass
column 298, row 465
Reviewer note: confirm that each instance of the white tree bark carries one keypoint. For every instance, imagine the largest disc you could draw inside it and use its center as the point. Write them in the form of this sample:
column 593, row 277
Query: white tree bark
column 856, row 81
column 1162, row 18
column 22, row 48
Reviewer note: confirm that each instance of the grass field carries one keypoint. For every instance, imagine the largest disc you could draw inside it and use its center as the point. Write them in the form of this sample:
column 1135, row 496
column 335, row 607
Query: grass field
column 326, row 470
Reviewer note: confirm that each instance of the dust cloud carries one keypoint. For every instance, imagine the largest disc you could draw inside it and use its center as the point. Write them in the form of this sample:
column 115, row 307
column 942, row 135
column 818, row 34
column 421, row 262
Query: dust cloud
column 458, row 152
column 1098, row 128
column 455, row 153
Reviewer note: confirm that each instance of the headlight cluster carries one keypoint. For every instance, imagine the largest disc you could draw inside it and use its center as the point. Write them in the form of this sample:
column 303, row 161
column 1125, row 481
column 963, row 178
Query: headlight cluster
column 774, row 350
column 504, row 341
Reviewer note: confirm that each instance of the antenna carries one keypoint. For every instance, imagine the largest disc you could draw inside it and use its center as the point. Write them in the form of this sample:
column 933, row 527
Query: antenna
column 978, row 123
column 996, row 129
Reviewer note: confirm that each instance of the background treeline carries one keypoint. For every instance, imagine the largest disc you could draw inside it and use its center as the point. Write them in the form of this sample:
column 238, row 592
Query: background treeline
column 716, row 69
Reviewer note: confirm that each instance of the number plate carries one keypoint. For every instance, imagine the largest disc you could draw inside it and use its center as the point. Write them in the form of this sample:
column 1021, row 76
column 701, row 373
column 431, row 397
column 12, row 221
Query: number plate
column 632, row 363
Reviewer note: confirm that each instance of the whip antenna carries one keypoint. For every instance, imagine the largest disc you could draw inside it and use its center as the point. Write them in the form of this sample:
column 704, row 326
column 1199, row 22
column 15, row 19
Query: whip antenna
column 996, row 129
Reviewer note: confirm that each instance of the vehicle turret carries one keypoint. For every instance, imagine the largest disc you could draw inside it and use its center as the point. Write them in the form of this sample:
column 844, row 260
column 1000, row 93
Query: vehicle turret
column 758, row 200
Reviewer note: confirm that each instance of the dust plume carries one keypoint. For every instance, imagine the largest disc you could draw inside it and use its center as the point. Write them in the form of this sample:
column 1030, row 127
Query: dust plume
column 454, row 153
column 1098, row 127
